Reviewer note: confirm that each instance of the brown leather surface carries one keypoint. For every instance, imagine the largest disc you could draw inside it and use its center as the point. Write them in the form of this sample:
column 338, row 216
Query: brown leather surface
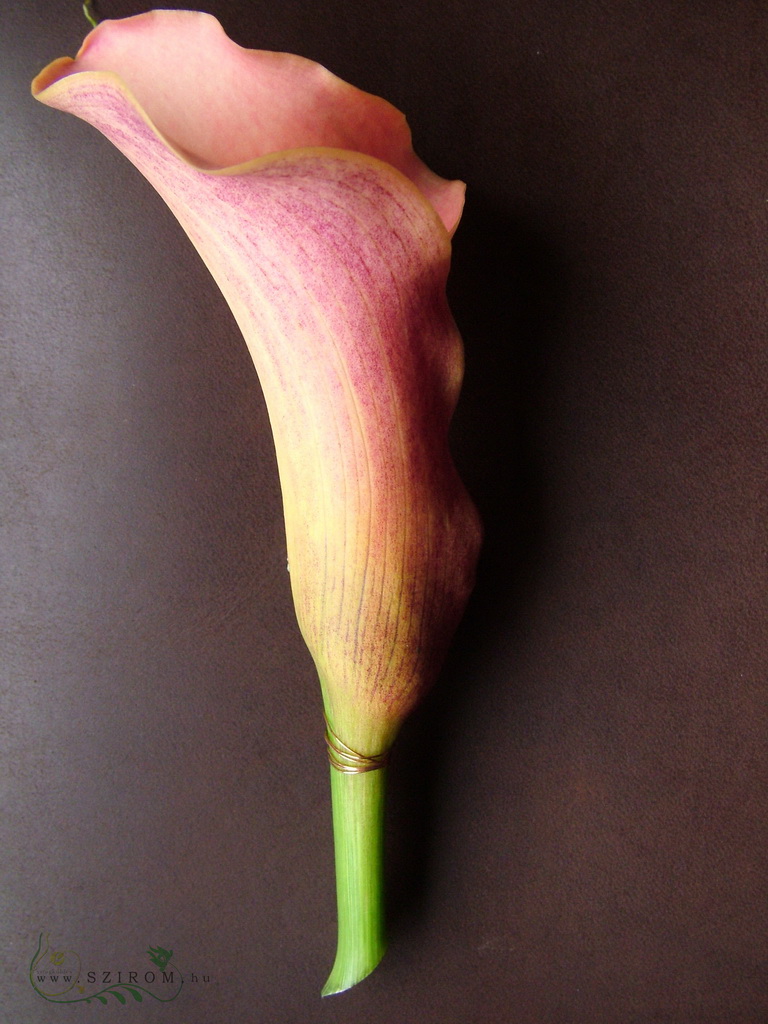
column 578, row 812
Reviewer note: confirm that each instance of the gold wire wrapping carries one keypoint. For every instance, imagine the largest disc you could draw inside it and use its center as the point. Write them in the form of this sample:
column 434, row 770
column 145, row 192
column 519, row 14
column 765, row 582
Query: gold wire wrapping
column 346, row 760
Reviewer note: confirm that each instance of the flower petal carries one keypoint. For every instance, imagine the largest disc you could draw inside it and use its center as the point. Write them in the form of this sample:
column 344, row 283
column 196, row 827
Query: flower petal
column 334, row 265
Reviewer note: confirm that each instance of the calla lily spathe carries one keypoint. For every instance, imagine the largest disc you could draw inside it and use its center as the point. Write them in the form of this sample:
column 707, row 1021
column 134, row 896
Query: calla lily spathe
column 330, row 241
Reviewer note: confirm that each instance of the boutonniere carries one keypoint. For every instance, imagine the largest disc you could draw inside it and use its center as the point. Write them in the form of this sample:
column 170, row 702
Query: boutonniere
column 330, row 241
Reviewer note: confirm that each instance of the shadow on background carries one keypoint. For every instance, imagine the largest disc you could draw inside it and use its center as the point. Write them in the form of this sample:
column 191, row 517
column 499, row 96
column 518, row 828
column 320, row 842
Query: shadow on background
column 509, row 294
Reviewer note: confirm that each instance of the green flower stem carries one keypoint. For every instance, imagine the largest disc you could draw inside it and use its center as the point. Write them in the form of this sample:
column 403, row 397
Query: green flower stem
column 358, row 833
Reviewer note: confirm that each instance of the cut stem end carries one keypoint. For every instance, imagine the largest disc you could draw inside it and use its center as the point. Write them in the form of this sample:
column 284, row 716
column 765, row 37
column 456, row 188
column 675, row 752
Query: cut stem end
column 358, row 835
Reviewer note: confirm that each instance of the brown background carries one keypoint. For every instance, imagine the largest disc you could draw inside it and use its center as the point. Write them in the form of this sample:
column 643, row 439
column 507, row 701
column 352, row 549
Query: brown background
column 577, row 823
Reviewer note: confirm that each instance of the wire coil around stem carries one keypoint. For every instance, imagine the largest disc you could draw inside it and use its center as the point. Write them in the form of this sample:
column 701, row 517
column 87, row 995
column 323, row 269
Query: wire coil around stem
column 348, row 761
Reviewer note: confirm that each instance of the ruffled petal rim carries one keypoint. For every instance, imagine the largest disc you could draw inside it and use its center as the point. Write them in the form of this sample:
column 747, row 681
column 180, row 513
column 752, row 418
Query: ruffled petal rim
column 222, row 107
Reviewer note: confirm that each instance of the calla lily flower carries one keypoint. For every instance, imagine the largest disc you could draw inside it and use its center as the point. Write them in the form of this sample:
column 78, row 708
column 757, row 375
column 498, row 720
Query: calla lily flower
column 330, row 240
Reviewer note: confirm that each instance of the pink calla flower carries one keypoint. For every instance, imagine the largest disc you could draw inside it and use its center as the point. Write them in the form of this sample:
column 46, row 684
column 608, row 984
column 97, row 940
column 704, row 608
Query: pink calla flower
column 330, row 240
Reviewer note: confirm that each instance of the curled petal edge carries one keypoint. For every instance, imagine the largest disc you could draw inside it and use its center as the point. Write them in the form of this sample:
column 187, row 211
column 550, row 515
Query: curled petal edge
column 222, row 126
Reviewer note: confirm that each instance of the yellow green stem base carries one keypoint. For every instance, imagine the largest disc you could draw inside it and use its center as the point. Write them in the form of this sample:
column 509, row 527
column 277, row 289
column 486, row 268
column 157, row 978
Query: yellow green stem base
column 358, row 834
